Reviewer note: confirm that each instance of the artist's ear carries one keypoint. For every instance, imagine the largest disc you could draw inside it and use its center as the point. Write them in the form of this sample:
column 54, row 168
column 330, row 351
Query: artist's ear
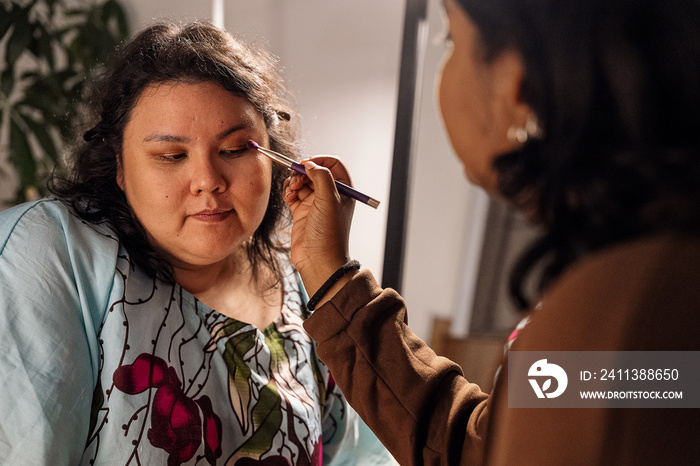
column 508, row 73
column 120, row 172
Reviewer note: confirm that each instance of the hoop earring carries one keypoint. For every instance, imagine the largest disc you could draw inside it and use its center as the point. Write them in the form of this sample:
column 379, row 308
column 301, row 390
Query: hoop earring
column 521, row 135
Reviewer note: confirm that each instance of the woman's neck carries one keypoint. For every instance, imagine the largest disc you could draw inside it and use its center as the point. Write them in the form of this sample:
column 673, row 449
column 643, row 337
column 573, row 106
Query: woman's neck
column 231, row 288
column 201, row 279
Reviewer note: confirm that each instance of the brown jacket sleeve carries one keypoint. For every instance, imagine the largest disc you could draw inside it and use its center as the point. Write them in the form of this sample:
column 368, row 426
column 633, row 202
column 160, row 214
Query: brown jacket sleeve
column 417, row 403
column 640, row 296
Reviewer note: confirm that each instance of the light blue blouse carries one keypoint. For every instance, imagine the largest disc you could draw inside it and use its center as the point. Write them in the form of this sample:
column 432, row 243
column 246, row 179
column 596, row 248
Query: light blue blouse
column 102, row 364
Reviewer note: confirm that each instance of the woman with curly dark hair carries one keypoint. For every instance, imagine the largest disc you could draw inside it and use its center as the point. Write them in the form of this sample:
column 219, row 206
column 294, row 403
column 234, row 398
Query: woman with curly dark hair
column 149, row 313
column 584, row 115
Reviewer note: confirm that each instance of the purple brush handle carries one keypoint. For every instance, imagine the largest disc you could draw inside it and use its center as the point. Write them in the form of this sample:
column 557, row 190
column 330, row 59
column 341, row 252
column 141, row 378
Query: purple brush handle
column 342, row 187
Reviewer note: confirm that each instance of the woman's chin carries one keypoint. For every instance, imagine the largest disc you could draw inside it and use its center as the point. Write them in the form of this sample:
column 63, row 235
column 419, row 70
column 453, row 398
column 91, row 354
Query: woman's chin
column 202, row 258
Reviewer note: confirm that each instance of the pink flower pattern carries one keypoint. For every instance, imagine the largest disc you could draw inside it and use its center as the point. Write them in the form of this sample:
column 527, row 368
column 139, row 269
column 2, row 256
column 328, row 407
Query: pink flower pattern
column 176, row 425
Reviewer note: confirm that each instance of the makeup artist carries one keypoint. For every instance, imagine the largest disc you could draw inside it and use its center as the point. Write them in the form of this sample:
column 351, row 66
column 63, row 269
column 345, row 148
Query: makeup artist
column 149, row 313
column 585, row 115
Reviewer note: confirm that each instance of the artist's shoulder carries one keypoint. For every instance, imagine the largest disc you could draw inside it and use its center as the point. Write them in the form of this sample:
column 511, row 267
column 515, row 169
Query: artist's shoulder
column 639, row 264
column 637, row 295
column 46, row 223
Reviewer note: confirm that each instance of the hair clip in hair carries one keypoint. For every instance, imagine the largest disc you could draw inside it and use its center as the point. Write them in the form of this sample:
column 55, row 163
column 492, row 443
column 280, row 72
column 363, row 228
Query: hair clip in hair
column 277, row 115
column 91, row 134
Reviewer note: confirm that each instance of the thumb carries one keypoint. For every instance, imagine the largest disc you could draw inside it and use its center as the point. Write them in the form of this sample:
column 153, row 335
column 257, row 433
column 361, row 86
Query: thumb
column 321, row 177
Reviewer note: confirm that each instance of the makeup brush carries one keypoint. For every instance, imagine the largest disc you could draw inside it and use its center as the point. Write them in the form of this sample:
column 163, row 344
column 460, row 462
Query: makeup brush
column 299, row 168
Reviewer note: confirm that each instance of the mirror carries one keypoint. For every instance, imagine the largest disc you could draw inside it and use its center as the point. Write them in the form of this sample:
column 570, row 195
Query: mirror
column 459, row 245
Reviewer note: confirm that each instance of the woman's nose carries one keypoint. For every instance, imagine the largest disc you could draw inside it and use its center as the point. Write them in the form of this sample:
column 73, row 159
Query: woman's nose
column 207, row 177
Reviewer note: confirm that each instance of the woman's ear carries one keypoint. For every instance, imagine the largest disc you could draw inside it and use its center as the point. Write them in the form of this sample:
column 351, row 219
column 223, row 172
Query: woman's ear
column 511, row 112
column 120, row 172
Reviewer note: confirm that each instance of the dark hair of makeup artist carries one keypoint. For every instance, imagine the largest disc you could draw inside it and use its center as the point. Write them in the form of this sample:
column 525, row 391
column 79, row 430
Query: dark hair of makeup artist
column 167, row 52
column 614, row 86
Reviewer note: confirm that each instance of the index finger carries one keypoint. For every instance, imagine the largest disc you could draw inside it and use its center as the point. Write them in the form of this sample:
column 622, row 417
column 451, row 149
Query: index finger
column 334, row 164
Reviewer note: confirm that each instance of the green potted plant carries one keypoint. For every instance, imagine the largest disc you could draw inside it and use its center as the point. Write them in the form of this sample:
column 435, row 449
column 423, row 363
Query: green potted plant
column 47, row 50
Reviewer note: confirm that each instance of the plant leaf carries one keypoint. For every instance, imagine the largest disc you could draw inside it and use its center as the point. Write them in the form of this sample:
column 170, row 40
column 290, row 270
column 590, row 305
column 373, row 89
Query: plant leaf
column 21, row 154
column 5, row 18
column 113, row 11
column 122, row 21
column 19, row 41
column 7, row 82
column 11, row 16
column 74, row 12
column 45, row 48
column 29, row 75
column 237, row 346
column 44, row 138
column 44, row 98
column 267, row 419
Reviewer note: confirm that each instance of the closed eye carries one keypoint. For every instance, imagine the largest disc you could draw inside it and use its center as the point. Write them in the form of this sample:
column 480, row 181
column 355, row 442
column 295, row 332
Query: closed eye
column 172, row 157
column 234, row 152
column 230, row 153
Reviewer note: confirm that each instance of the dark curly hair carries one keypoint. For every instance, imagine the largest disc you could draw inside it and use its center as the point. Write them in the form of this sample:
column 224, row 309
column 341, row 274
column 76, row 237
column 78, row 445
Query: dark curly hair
column 169, row 52
column 615, row 86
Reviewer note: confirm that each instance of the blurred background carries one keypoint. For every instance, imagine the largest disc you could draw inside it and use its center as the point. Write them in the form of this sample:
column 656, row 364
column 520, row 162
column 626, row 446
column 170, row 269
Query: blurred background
column 346, row 65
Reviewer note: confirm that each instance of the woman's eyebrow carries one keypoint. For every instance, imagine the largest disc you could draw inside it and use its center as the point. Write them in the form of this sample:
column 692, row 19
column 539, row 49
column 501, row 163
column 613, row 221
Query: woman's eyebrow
column 159, row 137
column 232, row 130
column 163, row 137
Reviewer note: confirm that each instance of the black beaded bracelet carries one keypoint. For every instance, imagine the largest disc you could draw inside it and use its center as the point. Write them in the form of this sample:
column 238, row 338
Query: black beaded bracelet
column 353, row 264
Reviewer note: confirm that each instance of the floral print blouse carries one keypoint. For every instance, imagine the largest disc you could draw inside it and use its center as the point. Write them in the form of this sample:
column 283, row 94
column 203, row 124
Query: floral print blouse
column 102, row 364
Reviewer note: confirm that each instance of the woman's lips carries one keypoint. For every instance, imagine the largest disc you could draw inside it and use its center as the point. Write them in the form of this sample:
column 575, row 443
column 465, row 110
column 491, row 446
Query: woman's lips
column 212, row 216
